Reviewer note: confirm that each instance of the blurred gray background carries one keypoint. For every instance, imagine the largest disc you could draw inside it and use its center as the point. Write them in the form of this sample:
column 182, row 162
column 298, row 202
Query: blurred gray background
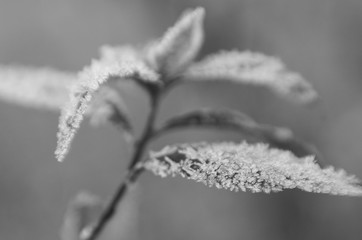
column 319, row 38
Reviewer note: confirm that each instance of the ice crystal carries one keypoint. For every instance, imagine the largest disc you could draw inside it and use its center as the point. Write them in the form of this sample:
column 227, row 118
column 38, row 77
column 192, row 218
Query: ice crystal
column 35, row 87
column 254, row 167
column 253, row 68
column 180, row 44
column 89, row 81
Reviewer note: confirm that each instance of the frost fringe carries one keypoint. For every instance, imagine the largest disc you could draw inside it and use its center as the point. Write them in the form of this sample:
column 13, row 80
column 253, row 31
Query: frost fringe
column 254, row 167
column 253, row 68
column 89, row 81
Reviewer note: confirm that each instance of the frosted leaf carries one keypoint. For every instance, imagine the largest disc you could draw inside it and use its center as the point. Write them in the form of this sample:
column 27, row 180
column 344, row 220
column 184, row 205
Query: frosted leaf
column 108, row 106
column 35, row 87
column 116, row 60
column 257, row 168
column 253, row 68
column 180, row 44
column 236, row 121
column 89, row 81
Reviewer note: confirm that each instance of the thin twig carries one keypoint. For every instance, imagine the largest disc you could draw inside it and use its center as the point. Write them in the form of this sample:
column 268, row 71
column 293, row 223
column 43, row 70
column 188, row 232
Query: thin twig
column 147, row 133
column 133, row 172
column 110, row 210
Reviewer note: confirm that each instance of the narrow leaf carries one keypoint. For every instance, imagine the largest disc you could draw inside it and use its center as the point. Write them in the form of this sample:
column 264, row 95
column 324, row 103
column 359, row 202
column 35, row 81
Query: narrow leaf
column 89, row 81
column 81, row 213
column 35, row 87
column 232, row 120
column 85, row 210
column 108, row 106
column 124, row 224
column 256, row 69
column 180, row 44
column 254, row 167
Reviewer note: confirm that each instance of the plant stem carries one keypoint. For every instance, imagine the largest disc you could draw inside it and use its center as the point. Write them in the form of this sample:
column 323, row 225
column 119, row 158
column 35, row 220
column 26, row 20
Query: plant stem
column 133, row 171
column 111, row 208
column 147, row 133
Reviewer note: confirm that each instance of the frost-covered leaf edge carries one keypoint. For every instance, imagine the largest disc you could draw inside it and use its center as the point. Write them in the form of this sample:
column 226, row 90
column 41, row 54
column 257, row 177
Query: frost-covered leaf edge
column 250, row 166
column 252, row 68
column 90, row 79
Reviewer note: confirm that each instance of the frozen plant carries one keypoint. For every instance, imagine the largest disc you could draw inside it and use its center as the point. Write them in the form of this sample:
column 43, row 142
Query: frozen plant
column 281, row 161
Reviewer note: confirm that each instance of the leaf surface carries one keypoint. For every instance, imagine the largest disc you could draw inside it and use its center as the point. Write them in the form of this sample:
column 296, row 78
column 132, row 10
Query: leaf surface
column 255, row 69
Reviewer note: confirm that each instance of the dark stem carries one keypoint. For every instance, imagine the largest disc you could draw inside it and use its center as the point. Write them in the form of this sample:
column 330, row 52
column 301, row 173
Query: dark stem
column 134, row 171
column 147, row 133
column 111, row 208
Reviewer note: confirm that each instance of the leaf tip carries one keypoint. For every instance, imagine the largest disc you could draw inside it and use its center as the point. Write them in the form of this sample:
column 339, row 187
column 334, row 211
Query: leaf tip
column 198, row 13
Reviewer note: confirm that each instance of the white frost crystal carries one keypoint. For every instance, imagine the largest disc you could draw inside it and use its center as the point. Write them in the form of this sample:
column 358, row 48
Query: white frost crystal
column 254, row 167
column 89, row 81
column 255, row 69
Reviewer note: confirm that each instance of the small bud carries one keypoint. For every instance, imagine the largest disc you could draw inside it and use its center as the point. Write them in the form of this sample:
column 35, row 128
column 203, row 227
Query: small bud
column 175, row 51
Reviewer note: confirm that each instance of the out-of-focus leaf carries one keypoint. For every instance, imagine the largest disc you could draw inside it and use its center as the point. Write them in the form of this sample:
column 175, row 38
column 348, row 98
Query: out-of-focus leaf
column 228, row 119
column 43, row 88
column 90, row 80
column 124, row 224
column 253, row 68
column 108, row 106
column 255, row 167
column 81, row 212
column 179, row 46
column 84, row 211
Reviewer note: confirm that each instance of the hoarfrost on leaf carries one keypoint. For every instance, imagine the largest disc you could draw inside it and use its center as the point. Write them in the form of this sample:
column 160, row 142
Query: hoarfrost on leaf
column 35, row 87
column 90, row 79
column 175, row 51
column 253, row 68
column 254, row 167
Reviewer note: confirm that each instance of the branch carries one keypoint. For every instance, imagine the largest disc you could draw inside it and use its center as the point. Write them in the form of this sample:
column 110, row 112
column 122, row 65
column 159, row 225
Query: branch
column 110, row 209
column 134, row 171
